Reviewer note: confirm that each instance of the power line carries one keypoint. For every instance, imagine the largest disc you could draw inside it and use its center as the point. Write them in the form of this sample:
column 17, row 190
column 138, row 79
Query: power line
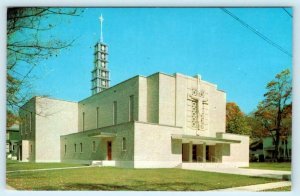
column 256, row 32
column 288, row 13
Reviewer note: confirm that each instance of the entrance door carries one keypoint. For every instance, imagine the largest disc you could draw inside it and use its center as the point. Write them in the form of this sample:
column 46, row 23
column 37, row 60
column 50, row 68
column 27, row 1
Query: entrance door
column 194, row 153
column 109, row 150
column 207, row 154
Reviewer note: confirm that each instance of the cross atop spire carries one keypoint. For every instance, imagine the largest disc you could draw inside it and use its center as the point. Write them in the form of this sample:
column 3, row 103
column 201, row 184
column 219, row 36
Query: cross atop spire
column 101, row 21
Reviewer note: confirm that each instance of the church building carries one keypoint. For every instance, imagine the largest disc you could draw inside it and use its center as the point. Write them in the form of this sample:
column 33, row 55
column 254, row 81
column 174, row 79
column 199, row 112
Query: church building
column 157, row 121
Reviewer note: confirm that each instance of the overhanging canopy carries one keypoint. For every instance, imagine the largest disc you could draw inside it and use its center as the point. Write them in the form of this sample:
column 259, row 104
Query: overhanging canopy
column 102, row 134
column 204, row 139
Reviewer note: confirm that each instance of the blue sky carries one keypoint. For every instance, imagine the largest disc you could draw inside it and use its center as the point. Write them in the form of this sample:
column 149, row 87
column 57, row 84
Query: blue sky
column 190, row 41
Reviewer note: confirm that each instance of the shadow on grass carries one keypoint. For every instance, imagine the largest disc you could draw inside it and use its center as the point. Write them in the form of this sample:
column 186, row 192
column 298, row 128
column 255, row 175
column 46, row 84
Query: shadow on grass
column 138, row 186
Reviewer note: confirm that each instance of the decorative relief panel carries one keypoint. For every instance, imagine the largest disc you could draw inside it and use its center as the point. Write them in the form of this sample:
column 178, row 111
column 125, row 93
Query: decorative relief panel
column 197, row 110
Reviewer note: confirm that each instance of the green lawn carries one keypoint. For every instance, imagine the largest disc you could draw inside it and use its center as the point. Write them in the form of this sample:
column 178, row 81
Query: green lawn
column 271, row 166
column 287, row 188
column 16, row 165
column 109, row 178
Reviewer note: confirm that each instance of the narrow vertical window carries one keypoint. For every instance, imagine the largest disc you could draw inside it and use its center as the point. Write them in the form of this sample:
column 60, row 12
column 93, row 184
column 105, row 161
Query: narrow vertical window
column 30, row 123
column 97, row 117
column 30, row 148
column 82, row 121
column 65, row 148
column 74, row 147
column 94, row 146
column 131, row 107
column 26, row 123
column 115, row 110
column 80, row 147
column 124, row 144
column 21, row 127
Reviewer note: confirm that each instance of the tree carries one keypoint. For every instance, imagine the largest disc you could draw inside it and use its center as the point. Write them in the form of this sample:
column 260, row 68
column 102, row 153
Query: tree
column 274, row 112
column 235, row 120
column 257, row 132
column 27, row 46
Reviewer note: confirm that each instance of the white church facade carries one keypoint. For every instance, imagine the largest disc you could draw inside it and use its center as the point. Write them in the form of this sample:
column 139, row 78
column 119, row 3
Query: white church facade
column 158, row 121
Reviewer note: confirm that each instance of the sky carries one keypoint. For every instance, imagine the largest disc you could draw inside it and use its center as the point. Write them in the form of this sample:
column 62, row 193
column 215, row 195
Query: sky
column 143, row 41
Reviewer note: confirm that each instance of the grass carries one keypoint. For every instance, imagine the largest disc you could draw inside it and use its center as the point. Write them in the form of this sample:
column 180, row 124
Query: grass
column 109, row 178
column 16, row 165
column 286, row 188
column 271, row 166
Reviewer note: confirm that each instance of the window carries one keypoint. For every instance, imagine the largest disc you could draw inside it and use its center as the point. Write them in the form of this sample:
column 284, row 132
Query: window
column 115, row 113
column 131, row 107
column 124, row 144
column 26, row 123
column 97, row 117
column 30, row 148
column 30, row 123
column 80, row 147
column 21, row 127
column 82, row 121
column 65, row 148
column 94, row 146
column 75, row 148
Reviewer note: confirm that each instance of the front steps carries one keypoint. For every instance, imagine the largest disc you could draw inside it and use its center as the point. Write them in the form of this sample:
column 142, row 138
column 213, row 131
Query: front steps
column 96, row 163
column 103, row 163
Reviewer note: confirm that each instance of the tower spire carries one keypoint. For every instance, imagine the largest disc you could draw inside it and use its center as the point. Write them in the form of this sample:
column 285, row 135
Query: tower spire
column 101, row 21
column 100, row 72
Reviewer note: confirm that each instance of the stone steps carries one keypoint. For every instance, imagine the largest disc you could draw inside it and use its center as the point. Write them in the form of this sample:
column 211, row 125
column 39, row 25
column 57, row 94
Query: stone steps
column 97, row 163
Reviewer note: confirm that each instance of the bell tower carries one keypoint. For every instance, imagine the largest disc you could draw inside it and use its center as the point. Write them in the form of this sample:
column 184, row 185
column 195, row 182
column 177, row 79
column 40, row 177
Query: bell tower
column 100, row 73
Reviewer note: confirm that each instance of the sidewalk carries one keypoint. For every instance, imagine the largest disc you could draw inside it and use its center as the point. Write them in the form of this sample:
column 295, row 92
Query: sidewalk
column 276, row 174
column 9, row 188
column 48, row 169
column 258, row 187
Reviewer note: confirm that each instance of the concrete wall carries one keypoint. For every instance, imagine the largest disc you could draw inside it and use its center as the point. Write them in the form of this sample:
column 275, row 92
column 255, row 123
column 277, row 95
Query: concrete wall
column 26, row 151
column 153, row 98
column 28, row 130
column 153, row 146
column 166, row 100
column 236, row 154
column 54, row 118
column 217, row 111
column 104, row 101
column 180, row 97
column 143, row 99
column 121, row 157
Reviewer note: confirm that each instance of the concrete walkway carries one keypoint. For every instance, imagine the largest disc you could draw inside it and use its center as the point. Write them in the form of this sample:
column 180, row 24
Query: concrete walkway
column 249, row 172
column 9, row 188
column 48, row 169
column 258, row 187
